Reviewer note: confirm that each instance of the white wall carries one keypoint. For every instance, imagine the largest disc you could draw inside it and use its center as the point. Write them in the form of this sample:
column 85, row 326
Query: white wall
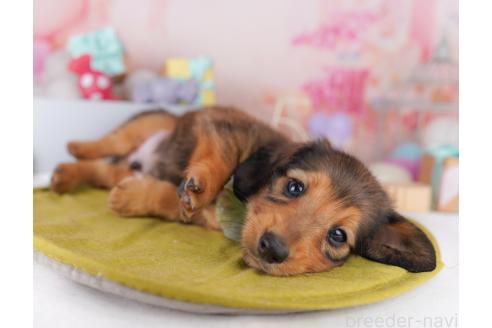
column 56, row 122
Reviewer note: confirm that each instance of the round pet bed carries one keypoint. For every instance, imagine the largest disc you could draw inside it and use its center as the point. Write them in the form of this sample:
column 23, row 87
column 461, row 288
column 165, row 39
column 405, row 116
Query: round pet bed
column 190, row 268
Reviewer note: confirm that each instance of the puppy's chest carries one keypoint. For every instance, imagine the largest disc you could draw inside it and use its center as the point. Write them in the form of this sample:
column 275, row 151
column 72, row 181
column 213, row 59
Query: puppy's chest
column 145, row 158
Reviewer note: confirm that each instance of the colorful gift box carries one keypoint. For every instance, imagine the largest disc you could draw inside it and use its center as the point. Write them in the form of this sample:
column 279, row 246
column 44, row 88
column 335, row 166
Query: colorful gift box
column 199, row 69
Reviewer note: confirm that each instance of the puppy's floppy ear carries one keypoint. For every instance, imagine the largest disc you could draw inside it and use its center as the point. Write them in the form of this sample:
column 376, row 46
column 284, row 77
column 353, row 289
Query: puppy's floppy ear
column 399, row 242
column 256, row 172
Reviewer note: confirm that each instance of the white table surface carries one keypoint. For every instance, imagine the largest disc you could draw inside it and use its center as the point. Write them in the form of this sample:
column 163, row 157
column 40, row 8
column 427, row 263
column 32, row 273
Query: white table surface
column 60, row 302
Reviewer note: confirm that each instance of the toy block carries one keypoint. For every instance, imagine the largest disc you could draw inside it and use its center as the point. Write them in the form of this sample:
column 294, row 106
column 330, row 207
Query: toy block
column 207, row 97
column 200, row 70
column 426, row 165
column 177, row 68
column 448, row 195
column 432, row 170
column 410, row 196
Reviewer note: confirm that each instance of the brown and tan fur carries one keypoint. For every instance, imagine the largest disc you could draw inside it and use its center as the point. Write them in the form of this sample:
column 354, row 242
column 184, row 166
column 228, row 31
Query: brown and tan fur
column 283, row 234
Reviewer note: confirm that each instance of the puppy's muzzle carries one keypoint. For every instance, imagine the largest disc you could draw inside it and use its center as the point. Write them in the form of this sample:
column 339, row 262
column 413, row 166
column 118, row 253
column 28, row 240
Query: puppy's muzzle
column 271, row 249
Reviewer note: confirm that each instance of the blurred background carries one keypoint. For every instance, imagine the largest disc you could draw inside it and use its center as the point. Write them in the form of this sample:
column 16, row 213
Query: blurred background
column 379, row 78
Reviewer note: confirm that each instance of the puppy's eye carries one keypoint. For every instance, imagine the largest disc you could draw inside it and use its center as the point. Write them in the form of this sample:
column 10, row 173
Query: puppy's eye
column 294, row 188
column 336, row 236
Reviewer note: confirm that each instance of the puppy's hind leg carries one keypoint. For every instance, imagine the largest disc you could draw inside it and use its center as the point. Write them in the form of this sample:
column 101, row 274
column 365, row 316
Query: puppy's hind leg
column 124, row 139
column 96, row 173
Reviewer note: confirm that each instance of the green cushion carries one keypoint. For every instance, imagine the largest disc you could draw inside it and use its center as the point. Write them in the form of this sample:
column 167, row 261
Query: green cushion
column 192, row 264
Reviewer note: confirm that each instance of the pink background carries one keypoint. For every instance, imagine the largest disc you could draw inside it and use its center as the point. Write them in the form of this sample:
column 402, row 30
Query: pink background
column 344, row 56
column 253, row 42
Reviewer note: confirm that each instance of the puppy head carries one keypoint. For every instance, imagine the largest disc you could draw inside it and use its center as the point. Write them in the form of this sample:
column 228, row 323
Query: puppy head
column 309, row 206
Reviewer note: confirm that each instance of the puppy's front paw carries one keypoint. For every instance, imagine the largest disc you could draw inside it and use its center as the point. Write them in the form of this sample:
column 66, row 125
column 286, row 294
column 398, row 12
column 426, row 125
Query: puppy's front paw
column 127, row 198
column 189, row 192
column 65, row 178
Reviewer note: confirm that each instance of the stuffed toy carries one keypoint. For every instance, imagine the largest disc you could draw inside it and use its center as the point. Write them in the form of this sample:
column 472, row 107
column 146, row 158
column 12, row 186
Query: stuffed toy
column 92, row 84
column 166, row 91
column 104, row 47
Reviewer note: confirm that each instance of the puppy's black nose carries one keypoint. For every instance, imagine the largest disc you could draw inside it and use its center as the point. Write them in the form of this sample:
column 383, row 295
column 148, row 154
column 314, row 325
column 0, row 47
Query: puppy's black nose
column 271, row 249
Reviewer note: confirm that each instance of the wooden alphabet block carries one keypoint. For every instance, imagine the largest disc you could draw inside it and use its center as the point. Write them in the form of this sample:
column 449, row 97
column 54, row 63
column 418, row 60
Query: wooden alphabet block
column 410, row 196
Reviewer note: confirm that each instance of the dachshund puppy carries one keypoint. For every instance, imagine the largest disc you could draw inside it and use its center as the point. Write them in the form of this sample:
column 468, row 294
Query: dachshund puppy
column 309, row 206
